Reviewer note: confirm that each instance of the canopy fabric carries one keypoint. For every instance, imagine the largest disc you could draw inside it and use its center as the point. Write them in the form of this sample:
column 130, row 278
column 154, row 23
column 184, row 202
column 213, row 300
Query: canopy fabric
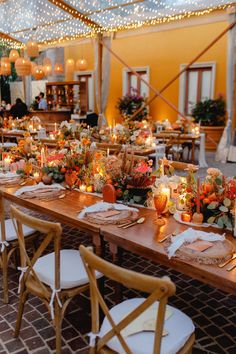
column 49, row 21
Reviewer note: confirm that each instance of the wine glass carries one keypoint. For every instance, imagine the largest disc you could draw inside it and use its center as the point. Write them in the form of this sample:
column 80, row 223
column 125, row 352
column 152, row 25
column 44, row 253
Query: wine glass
column 160, row 201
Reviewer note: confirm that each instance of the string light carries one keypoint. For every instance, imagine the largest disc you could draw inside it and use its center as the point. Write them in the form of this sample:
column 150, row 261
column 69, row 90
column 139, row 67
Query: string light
column 57, row 22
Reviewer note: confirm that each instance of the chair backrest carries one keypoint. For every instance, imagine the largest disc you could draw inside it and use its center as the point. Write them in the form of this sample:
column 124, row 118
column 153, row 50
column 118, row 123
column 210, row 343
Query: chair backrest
column 158, row 290
column 52, row 232
column 181, row 166
column 110, row 146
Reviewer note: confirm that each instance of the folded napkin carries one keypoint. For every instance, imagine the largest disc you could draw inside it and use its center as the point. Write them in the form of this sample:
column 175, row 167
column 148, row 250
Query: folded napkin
column 104, row 206
column 36, row 187
column 190, row 235
column 8, row 175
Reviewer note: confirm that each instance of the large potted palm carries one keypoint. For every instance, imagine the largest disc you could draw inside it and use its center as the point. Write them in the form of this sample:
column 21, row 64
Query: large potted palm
column 211, row 116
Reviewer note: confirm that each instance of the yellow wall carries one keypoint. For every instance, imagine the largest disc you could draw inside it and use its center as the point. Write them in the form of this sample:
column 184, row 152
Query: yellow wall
column 163, row 52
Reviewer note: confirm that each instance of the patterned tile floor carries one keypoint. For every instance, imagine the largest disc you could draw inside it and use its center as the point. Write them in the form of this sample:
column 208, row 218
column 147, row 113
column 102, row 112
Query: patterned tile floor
column 213, row 312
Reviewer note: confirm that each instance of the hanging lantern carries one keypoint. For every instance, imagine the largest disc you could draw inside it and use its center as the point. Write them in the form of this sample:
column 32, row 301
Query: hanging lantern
column 23, row 67
column 38, row 72
column 14, row 54
column 47, row 61
column 5, row 68
column 5, row 60
column 33, row 65
column 81, row 64
column 70, row 66
column 47, row 69
column 58, row 68
column 32, row 49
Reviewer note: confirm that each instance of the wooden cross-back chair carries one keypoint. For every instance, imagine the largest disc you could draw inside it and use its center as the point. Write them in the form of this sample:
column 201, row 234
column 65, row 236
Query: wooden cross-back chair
column 55, row 277
column 109, row 338
column 111, row 147
column 9, row 246
column 178, row 165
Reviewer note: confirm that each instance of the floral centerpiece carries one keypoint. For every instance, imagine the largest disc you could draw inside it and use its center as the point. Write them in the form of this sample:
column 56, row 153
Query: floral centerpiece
column 216, row 198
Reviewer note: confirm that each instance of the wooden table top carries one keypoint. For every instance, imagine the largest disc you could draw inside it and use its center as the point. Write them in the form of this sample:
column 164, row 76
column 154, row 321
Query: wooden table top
column 143, row 240
column 64, row 210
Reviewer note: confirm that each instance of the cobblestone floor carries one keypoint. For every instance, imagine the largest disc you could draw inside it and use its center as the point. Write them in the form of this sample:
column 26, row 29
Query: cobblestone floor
column 213, row 312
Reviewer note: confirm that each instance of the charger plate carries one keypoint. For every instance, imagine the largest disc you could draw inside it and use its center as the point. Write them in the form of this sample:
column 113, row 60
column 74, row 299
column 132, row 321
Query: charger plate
column 43, row 194
column 218, row 253
column 122, row 217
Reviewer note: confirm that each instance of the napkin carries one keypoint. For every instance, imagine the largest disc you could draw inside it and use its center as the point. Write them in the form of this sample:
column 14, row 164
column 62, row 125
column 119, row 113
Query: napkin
column 190, row 235
column 8, row 175
column 104, row 206
column 146, row 321
column 37, row 186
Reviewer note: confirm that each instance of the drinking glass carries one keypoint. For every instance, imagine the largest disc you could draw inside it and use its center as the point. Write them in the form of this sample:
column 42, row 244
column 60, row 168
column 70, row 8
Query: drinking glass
column 160, row 201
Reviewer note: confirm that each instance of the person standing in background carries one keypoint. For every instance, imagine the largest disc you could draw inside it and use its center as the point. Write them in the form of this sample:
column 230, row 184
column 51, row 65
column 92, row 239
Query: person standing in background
column 42, row 102
column 19, row 109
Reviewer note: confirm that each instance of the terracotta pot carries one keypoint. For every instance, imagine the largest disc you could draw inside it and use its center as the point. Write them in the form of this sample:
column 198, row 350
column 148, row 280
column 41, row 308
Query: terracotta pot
column 213, row 135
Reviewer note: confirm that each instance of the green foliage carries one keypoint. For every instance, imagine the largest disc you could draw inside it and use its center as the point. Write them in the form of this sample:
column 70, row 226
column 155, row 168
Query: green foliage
column 130, row 103
column 210, row 112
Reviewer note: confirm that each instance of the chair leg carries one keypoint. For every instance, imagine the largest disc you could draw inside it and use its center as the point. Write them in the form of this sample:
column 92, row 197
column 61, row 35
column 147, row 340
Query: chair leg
column 57, row 322
column 5, row 276
column 23, row 298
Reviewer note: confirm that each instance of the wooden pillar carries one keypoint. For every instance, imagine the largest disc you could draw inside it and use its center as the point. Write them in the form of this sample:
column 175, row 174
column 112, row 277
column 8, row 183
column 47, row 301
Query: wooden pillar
column 99, row 73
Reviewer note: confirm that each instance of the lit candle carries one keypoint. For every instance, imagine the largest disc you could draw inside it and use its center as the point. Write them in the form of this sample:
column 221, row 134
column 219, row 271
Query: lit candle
column 7, row 162
column 51, row 136
column 42, row 157
column 30, row 127
column 82, row 188
column 37, row 177
column 110, row 129
column 39, row 127
column 108, row 152
column 55, row 127
column 198, row 195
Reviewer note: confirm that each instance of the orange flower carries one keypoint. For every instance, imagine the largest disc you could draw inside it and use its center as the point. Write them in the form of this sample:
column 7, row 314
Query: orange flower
column 85, row 141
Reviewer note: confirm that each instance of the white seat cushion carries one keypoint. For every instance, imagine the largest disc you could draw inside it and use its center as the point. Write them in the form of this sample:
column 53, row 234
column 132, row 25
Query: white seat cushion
column 11, row 233
column 178, row 325
column 72, row 270
column 8, row 145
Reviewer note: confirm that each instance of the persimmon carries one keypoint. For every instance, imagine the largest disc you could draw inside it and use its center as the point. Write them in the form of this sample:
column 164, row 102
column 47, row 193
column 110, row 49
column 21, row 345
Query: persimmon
column 63, row 170
column 206, row 201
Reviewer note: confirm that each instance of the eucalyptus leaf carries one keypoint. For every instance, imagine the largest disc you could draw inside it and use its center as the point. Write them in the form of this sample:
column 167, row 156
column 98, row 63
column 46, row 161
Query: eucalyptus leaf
column 212, row 205
column 211, row 220
column 223, row 208
column 227, row 202
column 220, row 222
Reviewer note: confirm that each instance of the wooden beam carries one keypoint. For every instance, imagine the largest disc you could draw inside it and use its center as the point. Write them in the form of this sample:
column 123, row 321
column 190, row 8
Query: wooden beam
column 186, row 67
column 145, row 81
column 75, row 13
column 111, row 8
column 9, row 38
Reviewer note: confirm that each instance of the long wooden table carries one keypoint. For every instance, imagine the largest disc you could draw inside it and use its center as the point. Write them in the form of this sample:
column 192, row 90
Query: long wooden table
column 180, row 139
column 64, row 210
column 142, row 239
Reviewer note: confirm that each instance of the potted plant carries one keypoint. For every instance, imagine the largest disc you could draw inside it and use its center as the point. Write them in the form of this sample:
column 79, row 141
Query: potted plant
column 130, row 103
column 211, row 116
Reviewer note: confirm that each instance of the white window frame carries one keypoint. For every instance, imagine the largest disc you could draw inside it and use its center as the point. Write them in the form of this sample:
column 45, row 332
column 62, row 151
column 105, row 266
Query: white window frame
column 125, row 72
column 182, row 81
column 83, row 73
